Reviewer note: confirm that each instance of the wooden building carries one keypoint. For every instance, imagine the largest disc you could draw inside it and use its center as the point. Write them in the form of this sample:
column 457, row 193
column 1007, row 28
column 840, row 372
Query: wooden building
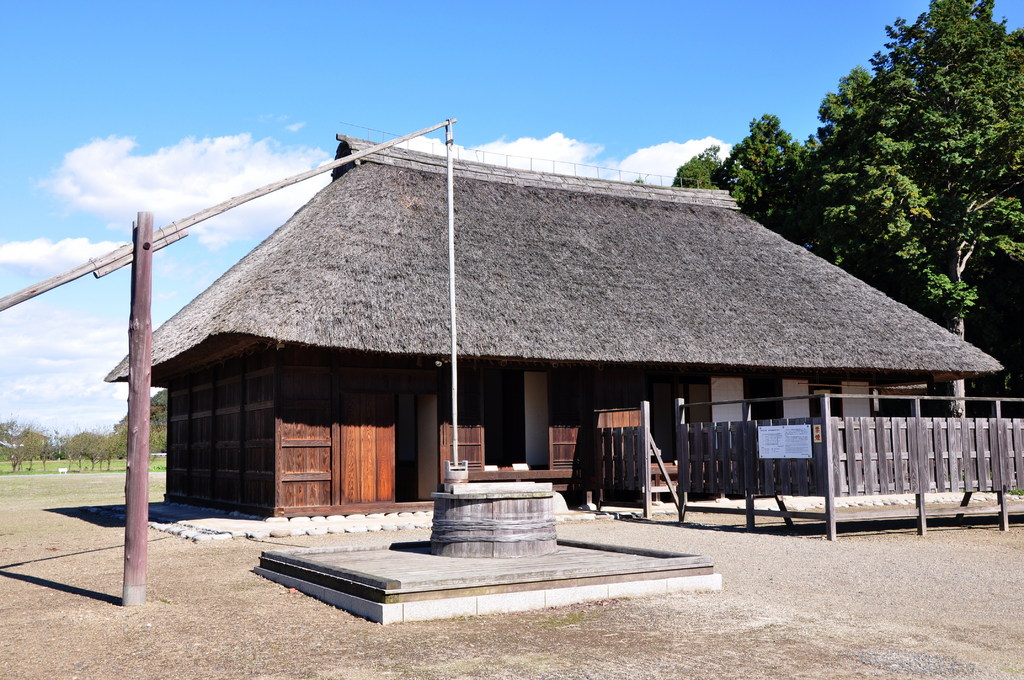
column 312, row 377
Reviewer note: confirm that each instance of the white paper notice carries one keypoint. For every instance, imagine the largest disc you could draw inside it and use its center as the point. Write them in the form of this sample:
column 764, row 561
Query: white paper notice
column 784, row 441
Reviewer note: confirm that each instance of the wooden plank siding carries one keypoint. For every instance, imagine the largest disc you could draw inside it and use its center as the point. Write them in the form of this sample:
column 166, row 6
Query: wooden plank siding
column 220, row 436
column 305, row 419
column 178, row 423
column 367, row 448
column 259, row 432
column 264, row 433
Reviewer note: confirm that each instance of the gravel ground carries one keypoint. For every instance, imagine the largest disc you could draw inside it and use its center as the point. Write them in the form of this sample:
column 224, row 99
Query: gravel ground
column 879, row 603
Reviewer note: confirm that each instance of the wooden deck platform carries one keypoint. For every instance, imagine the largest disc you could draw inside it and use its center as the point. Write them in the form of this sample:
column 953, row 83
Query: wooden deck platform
column 404, row 582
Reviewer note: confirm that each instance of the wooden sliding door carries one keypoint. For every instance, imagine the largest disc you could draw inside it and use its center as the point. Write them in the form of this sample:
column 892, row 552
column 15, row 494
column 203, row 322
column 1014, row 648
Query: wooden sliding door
column 367, row 448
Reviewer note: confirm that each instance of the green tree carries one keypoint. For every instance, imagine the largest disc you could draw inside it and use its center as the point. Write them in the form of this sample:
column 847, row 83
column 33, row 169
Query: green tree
column 764, row 173
column 700, row 171
column 22, row 444
column 84, row 445
column 921, row 160
column 157, row 427
column 7, row 428
column 995, row 320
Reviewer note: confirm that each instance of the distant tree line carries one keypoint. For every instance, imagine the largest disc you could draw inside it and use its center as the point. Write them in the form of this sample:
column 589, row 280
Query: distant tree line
column 24, row 444
column 914, row 180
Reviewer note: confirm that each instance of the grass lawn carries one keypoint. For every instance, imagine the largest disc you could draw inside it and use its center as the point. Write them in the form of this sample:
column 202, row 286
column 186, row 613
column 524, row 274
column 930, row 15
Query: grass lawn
column 52, row 466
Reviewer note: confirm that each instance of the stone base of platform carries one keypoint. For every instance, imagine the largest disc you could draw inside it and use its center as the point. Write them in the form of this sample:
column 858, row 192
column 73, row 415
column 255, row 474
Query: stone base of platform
column 403, row 582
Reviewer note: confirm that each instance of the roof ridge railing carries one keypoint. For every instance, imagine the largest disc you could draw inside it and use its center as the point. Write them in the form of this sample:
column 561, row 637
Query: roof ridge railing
column 570, row 168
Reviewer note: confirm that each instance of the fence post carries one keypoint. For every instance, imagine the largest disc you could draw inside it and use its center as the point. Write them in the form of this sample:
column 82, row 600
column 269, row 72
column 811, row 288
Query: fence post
column 749, row 475
column 1001, row 453
column 682, row 458
column 917, row 453
column 829, row 477
column 645, row 456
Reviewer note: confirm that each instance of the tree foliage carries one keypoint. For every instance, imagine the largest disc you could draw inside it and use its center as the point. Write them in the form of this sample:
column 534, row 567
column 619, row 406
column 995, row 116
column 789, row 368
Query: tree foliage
column 701, row 171
column 915, row 178
column 23, row 443
column 921, row 160
column 765, row 174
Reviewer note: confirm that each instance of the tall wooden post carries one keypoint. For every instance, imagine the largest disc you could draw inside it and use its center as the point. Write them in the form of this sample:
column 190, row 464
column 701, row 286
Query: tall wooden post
column 645, row 457
column 828, row 480
column 140, row 358
column 747, row 436
column 449, row 143
column 918, row 454
column 682, row 458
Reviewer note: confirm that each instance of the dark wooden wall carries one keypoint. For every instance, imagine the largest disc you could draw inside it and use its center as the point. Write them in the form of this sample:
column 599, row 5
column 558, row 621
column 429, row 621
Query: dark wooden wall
column 289, row 431
column 221, row 434
column 305, row 429
column 313, row 431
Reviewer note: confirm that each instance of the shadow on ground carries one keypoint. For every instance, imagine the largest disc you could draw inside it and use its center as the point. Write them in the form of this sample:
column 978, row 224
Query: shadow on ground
column 902, row 525
column 56, row 585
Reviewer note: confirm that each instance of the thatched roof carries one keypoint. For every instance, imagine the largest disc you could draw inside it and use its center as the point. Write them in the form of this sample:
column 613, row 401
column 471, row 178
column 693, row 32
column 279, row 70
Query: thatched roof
column 550, row 268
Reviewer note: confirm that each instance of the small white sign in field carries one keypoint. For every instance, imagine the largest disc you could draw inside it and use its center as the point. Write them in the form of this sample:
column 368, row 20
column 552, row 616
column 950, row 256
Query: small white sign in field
column 784, row 441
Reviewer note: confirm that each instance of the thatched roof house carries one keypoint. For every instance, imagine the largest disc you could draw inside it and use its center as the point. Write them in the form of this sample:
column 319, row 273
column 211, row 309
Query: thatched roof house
column 604, row 288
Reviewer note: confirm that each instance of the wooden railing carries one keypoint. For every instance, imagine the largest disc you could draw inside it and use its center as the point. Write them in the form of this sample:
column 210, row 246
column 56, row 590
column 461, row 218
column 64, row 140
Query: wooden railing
column 628, row 458
column 621, row 446
column 855, row 457
column 715, row 458
column 925, row 455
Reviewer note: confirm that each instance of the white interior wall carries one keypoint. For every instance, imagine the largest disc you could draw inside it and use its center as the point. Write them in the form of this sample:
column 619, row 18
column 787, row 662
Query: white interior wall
column 726, row 389
column 798, row 408
column 535, row 407
column 856, row 408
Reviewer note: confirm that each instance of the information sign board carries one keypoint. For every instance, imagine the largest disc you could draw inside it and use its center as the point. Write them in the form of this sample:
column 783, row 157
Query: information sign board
column 784, row 441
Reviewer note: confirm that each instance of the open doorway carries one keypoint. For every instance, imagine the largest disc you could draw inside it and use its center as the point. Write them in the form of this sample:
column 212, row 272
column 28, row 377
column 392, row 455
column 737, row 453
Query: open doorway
column 515, row 404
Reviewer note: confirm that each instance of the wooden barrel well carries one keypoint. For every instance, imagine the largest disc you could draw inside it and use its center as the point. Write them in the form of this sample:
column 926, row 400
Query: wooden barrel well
column 488, row 521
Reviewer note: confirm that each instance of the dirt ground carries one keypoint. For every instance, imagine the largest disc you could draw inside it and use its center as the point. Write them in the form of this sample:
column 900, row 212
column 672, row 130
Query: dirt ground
column 879, row 603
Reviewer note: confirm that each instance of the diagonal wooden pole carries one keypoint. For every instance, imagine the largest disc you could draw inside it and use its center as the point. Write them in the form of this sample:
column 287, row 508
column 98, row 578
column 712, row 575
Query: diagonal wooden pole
column 121, row 257
column 140, row 356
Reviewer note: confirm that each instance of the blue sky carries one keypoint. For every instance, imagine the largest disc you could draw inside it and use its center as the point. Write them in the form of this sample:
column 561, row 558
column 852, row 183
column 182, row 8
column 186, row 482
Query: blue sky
column 112, row 108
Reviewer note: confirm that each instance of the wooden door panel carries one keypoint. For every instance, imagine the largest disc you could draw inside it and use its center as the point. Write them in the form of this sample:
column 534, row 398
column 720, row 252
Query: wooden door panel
column 385, row 444
column 367, row 448
column 471, row 445
column 563, row 446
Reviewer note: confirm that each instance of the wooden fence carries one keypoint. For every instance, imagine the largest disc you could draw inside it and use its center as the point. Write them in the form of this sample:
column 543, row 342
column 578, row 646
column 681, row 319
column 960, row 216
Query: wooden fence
column 629, row 460
column 721, row 458
column 855, row 457
column 877, row 456
column 622, row 448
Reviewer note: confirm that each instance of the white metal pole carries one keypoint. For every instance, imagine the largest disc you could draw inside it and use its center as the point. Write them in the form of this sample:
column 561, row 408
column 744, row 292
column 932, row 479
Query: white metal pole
column 451, row 292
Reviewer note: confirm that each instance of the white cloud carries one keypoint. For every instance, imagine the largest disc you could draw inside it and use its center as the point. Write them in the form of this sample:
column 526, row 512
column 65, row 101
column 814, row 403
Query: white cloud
column 554, row 153
column 108, row 179
column 43, row 257
column 665, row 158
column 295, row 127
column 52, row 364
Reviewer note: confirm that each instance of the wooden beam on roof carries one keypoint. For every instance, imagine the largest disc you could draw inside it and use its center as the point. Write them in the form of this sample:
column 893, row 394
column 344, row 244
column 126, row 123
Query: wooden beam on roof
column 122, row 256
